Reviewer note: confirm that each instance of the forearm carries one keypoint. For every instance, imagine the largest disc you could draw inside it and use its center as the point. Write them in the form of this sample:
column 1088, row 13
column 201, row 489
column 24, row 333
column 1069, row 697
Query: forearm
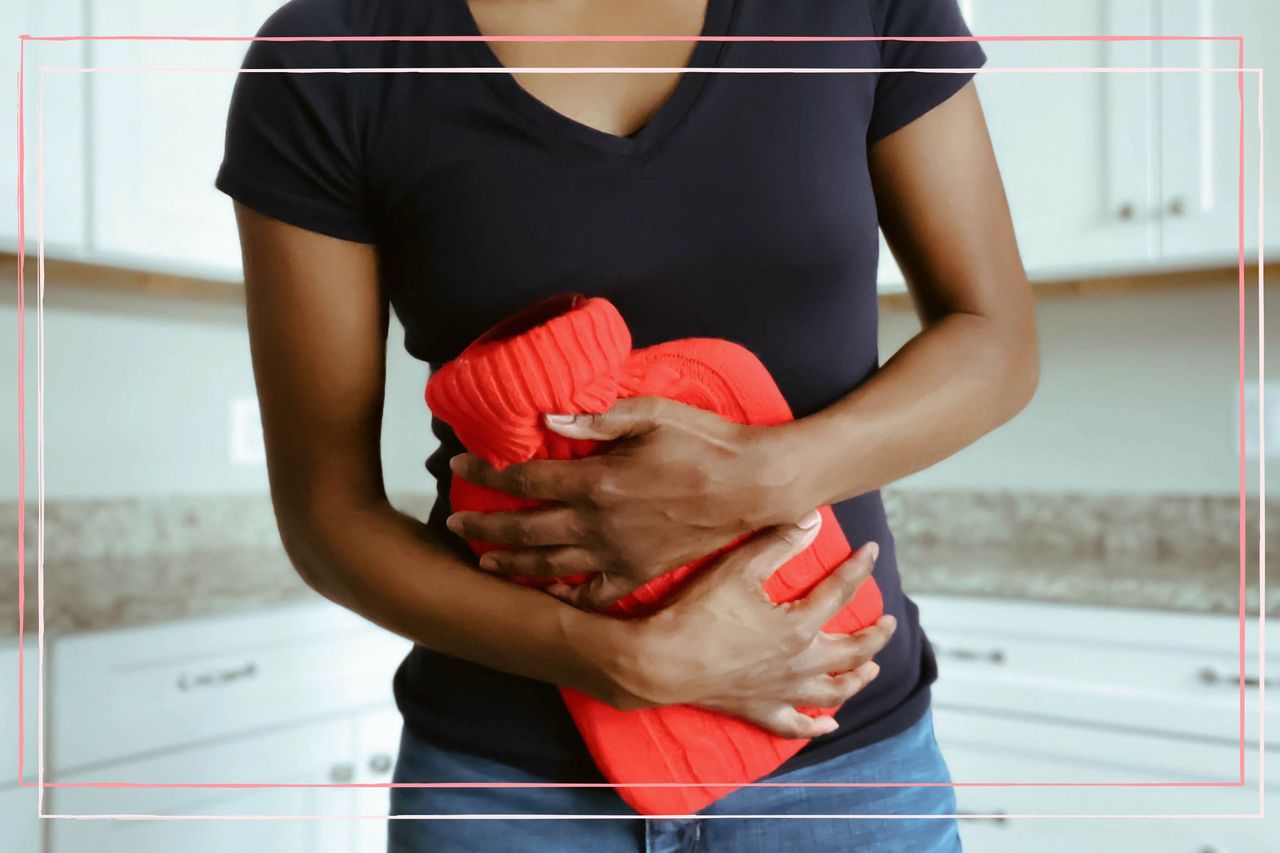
column 957, row 380
column 398, row 573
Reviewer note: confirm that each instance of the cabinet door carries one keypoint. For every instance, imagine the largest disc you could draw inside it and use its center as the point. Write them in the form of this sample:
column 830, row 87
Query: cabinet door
column 1200, row 130
column 162, row 687
column 377, row 742
column 63, row 140
column 1075, row 148
column 157, row 135
column 317, row 753
column 993, row 748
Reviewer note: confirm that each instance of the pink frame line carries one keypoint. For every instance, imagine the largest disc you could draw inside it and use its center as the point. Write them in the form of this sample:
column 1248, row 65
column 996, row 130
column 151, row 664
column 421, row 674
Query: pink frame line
column 1240, row 70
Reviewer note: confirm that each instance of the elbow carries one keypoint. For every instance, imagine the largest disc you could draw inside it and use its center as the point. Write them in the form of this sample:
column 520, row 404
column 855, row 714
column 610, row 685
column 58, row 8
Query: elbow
column 1026, row 378
column 1021, row 370
column 307, row 546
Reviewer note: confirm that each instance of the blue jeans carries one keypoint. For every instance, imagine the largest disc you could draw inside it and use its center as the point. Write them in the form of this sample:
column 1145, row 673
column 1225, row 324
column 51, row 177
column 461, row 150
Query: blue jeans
column 910, row 756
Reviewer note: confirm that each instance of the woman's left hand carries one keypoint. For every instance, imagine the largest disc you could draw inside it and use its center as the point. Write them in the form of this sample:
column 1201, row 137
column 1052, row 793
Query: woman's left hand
column 678, row 483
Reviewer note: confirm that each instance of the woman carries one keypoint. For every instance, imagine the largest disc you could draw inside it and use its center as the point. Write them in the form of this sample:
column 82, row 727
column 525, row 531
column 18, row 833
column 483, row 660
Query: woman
column 740, row 206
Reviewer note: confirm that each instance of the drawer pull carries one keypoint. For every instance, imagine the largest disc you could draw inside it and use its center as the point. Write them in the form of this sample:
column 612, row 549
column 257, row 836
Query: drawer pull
column 380, row 763
column 216, row 677
column 342, row 773
column 1209, row 675
column 995, row 656
column 998, row 818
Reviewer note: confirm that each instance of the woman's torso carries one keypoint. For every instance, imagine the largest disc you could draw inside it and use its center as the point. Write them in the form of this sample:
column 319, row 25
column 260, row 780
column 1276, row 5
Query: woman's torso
column 741, row 209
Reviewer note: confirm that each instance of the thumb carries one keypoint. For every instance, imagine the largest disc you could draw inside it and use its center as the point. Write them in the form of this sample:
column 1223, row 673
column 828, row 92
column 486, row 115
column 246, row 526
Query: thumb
column 598, row 593
column 630, row 417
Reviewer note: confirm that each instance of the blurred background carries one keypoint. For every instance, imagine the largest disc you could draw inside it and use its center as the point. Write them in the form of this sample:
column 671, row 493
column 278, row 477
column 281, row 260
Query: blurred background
column 1078, row 571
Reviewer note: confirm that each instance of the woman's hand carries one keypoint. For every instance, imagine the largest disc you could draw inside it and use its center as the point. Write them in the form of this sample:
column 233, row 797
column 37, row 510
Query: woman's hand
column 723, row 644
column 679, row 483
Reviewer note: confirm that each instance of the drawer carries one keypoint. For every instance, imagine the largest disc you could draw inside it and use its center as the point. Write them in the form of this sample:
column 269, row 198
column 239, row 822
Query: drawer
column 1081, row 770
column 133, row 691
column 1160, row 672
column 314, row 753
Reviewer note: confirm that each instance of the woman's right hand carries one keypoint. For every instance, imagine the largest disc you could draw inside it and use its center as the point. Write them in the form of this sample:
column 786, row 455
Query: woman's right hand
column 722, row 644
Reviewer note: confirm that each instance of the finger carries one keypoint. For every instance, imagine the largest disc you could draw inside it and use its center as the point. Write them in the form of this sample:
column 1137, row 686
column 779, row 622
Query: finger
column 834, row 592
column 600, row 592
column 761, row 555
column 786, row 721
column 539, row 479
column 832, row 691
column 557, row 561
column 628, row 417
column 843, row 652
column 523, row 528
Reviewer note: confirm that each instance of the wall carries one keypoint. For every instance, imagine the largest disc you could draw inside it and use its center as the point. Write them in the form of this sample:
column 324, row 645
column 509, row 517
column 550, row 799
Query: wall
column 1137, row 395
column 137, row 402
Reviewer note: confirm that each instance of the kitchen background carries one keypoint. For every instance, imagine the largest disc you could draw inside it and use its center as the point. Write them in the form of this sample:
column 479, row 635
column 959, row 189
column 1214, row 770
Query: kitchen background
column 1078, row 570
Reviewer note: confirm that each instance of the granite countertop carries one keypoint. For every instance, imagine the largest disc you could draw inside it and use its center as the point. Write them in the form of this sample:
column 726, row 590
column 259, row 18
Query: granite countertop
column 1199, row 588
column 118, row 564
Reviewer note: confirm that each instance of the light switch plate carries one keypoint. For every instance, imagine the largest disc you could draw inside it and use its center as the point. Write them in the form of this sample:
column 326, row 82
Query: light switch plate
column 1255, row 397
column 245, row 443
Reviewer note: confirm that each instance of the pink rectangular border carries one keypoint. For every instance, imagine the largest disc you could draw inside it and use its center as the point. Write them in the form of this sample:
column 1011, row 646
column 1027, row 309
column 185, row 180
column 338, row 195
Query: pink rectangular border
column 1241, row 299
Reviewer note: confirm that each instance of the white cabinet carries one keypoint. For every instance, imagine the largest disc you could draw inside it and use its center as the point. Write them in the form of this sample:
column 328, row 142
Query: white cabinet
column 1103, row 711
column 1076, row 150
column 1200, row 130
column 160, row 686
column 158, row 135
column 274, row 699
column 63, row 142
column 1123, row 172
column 377, row 743
column 308, row 754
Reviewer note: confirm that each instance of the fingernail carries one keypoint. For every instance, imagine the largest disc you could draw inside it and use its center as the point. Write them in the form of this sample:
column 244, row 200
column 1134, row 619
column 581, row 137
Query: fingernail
column 870, row 670
column 455, row 462
column 488, row 563
column 874, row 550
column 452, row 523
column 810, row 520
column 828, row 724
column 559, row 419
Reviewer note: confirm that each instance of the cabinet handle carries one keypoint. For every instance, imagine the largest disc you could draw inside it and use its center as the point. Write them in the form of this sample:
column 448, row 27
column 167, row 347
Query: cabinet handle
column 1127, row 211
column 380, row 763
column 1209, row 675
column 342, row 773
column 216, row 677
column 998, row 818
column 1177, row 206
column 994, row 656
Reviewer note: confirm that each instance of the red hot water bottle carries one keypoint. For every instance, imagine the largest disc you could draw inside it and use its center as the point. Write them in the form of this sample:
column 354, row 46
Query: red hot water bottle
column 572, row 354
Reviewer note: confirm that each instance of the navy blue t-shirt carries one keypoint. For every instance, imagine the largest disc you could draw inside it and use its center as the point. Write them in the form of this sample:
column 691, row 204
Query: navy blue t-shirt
column 742, row 210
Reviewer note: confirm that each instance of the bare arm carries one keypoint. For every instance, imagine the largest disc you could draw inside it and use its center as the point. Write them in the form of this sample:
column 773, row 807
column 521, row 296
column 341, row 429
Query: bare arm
column 974, row 364
column 317, row 327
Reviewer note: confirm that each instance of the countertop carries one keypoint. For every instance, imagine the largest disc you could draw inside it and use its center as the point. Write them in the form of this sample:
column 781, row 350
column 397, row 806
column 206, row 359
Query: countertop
column 111, row 565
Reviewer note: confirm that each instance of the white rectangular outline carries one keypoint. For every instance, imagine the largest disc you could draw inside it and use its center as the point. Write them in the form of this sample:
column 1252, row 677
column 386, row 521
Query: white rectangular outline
column 40, row 436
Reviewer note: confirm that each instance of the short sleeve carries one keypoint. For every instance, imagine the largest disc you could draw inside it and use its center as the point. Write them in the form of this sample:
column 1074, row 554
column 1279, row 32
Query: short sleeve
column 903, row 96
column 292, row 149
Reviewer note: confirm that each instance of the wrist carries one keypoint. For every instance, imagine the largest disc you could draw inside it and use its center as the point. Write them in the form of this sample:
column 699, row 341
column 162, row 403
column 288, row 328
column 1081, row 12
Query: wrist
column 790, row 462
column 616, row 657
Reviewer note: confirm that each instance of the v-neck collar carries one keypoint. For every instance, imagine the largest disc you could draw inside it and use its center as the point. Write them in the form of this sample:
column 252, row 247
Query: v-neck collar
column 706, row 54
